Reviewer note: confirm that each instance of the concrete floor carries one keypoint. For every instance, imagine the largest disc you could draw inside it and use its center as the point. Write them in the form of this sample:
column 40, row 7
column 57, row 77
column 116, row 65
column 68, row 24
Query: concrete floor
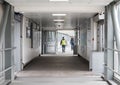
column 57, row 70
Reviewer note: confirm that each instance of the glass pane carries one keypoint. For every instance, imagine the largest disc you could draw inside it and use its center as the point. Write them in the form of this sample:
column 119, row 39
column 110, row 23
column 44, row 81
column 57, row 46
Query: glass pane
column 116, row 56
column 116, row 60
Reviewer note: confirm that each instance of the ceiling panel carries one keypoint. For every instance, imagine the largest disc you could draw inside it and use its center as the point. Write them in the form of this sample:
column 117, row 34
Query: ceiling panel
column 43, row 9
column 47, row 6
column 40, row 2
column 47, row 18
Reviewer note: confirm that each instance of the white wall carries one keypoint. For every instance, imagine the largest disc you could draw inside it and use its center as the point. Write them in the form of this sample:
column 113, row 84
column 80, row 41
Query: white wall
column 28, row 53
column 93, row 40
column 88, row 44
column 84, row 48
column 17, row 44
column 94, row 35
column 98, row 62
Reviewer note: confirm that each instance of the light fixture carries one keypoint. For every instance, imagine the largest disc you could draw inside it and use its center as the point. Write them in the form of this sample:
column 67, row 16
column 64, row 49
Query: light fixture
column 58, row 0
column 59, row 14
column 58, row 20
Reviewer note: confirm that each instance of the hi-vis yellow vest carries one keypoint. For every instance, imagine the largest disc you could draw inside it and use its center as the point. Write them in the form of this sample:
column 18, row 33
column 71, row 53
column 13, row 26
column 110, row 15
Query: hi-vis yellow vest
column 63, row 42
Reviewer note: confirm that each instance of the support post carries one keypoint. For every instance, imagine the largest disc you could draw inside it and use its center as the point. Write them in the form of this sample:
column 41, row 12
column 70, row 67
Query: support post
column 4, row 23
column 109, row 43
column 116, row 28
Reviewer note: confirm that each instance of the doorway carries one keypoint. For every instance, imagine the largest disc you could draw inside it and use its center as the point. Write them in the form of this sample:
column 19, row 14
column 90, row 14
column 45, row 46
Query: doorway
column 68, row 35
column 51, row 42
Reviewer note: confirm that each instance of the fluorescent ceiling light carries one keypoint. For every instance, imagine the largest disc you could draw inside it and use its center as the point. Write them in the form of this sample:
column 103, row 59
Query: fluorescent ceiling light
column 58, row 0
column 58, row 20
column 58, row 14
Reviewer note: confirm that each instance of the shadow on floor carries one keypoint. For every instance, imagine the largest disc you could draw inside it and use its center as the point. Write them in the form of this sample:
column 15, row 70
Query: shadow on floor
column 57, row 63
column 57, row 66
column 58, row 70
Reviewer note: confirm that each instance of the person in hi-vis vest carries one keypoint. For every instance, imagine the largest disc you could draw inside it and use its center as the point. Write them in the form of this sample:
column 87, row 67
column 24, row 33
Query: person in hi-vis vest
column 63, row 43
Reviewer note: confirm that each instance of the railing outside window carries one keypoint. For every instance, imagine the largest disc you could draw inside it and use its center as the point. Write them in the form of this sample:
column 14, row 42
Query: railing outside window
column 116, row 64
column 3, row 70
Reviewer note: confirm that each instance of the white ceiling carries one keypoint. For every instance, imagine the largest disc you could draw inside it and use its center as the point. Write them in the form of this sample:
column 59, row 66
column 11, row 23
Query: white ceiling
column 71, row 6
column 38, row 9
column 47, row 18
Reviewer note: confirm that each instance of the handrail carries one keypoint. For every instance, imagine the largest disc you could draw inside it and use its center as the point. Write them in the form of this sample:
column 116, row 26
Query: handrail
column 112, row 70
column 6, row 69
column 6, row 49
column 112, row 49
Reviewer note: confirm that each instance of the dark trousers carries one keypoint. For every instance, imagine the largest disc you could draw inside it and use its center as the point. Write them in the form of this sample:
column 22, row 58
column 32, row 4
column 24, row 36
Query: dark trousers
column 72, row 47
column 63, row 48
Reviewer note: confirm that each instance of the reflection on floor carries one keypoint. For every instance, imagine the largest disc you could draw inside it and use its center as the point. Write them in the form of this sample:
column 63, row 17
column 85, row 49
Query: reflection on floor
column 58, row 70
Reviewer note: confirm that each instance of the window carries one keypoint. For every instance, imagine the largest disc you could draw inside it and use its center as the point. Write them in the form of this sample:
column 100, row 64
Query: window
column 116, row 53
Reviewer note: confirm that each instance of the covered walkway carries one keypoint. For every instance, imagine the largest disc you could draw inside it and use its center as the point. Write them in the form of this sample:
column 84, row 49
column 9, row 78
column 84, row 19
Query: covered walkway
column 58, row 70
column 31, row 32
